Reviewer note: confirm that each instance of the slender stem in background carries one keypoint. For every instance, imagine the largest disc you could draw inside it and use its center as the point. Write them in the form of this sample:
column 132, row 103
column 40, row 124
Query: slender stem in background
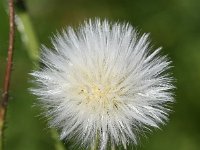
column 4, row 101
column 26, row 29
column 30, row 40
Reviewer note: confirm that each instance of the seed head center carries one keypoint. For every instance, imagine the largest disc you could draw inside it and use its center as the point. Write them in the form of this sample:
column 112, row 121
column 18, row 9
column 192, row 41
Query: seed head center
column 95, row 92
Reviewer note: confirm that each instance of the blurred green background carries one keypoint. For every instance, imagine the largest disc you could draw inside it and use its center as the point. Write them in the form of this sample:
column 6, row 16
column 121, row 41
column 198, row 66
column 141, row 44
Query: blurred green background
column 173, row 24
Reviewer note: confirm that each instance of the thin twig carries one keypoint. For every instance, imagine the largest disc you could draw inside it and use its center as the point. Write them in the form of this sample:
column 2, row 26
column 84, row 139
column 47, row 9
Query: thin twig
column 4, row 101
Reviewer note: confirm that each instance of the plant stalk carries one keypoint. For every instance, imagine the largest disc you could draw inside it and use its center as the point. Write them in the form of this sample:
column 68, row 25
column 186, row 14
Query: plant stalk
column 30, row 40
column 6, row 85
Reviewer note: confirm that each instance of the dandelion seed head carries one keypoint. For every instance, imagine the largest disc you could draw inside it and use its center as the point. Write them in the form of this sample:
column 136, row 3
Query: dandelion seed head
column 103, row 84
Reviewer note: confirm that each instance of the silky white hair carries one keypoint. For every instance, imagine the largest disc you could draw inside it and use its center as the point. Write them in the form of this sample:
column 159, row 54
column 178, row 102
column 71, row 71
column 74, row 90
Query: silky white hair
column 102, row 84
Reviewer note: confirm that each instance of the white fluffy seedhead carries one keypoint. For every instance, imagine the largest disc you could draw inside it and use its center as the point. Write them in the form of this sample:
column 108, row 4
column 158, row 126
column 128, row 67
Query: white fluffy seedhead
column 103, row 84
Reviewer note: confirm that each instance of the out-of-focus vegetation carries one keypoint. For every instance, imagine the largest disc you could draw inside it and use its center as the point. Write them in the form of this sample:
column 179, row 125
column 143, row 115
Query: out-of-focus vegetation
column 173, row 24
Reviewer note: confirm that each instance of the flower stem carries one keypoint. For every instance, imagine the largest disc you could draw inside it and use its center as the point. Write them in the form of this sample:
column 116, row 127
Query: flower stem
column 94, row 145
column 58, row 145
column 6, row 86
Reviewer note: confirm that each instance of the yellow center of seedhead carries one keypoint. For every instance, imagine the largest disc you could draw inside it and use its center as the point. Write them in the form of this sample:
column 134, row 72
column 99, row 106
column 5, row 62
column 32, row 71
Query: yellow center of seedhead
column 98, row 91
column 95, row 92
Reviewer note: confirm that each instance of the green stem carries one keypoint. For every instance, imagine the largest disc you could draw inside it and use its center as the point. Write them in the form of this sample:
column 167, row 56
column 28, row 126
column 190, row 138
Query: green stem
column 94, row 145
column 29, row 38
column 58, row 145
column 28, row 35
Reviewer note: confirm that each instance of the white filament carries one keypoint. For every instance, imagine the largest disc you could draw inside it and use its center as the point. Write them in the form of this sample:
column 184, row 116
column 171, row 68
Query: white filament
column 103, row 84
